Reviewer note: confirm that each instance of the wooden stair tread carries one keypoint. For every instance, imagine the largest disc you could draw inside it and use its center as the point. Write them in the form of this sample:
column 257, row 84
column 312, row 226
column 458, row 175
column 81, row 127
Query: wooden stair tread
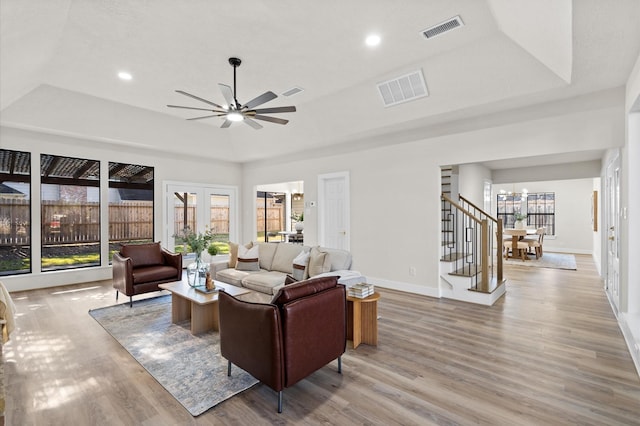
column 452, row 257
column 493, row 286
column 466, row 271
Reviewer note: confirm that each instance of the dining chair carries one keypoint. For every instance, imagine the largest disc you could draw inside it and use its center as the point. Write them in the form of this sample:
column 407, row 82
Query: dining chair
column 520, row 246
column 536, row 243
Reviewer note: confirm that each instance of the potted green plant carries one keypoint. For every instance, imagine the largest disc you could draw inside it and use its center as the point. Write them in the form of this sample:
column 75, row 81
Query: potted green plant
column 197, row 242
column 520, row 218
column 299, row 219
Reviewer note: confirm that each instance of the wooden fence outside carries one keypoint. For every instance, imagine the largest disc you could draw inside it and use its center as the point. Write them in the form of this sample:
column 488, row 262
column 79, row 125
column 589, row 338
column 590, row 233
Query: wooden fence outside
column 219, row 219
column 68, row 223
column 275, row 219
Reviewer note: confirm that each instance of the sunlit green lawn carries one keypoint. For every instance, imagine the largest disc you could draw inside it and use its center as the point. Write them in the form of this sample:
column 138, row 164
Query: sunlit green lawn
column 82, row 259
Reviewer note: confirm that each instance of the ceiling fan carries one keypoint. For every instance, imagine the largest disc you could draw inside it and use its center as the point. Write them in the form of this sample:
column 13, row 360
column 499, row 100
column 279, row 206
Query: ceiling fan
column 234, row 110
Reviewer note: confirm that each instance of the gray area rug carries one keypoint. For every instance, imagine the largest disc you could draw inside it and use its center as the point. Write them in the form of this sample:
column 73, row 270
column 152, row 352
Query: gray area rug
column 189, row 367
column 548, row 260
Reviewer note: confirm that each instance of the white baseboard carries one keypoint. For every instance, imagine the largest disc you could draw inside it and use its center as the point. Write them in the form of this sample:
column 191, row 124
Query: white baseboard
column 36, row 280
column 627, row 323
column 551, row 249
column 406, row 287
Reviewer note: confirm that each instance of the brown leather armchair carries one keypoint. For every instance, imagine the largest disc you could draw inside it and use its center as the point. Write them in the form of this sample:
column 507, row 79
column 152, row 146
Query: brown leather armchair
column 281, row 343
column 139, row 268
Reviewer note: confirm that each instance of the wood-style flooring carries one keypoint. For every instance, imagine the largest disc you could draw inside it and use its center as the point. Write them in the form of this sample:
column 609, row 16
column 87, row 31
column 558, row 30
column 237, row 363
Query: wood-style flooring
column 548, row 353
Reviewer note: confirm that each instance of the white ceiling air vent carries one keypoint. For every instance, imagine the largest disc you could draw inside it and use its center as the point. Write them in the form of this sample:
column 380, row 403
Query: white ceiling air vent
column 292, row 91
column 442, row 27
column 403, row 89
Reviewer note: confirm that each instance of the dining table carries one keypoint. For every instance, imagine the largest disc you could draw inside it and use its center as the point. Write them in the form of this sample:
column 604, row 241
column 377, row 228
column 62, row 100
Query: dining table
column 517, row 234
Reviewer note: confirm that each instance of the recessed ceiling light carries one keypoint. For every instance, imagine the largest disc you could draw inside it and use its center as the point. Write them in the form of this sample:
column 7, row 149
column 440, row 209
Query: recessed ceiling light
column 123, row 75
column 372, row 40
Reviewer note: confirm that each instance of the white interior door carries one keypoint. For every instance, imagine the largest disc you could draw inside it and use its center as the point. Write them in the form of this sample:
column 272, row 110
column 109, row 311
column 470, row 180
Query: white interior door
column 612, row 281
column 333, row 214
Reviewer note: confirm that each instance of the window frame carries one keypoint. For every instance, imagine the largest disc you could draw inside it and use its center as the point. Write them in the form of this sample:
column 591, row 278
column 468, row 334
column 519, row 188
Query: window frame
column 70, row 172
column 16, row 167
column 130, row 177
column 519, row 200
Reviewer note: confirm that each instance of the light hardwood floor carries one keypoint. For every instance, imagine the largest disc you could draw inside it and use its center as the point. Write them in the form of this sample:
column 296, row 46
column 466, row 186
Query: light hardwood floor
column 548, row 353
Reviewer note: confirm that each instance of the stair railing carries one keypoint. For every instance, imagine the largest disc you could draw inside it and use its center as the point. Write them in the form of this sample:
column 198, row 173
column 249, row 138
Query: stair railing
column 475, row 244
column 495, row 228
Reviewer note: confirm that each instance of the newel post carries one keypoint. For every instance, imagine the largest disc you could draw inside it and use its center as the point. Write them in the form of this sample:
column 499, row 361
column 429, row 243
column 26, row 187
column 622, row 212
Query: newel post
column 484, row 254
column 499, row 249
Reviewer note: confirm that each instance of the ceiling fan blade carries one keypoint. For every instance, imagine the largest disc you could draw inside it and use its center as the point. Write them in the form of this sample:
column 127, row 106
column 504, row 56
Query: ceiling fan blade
column 275, row 110
column 182, row 92
column 252, row 123
column 226, row 124
column 206, row 116
column 265, row 97
column 199, row 109
column 271, row 119
column 228, row 94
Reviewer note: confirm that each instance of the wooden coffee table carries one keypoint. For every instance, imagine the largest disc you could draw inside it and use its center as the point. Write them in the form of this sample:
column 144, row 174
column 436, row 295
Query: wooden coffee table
column 201, row 308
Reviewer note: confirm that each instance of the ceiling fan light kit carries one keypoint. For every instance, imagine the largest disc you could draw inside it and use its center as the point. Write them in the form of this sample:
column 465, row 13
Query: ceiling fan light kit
column 234, row 111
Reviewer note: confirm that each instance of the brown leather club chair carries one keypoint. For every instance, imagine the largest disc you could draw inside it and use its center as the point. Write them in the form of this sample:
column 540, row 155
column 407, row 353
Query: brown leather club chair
column 281, row 343
column 139, row 268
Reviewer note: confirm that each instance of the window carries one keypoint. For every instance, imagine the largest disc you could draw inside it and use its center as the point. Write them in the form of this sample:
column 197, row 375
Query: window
column 130, row 205
column 219, row 222
column 539, row 208
column 15, row 212
column 70, row 212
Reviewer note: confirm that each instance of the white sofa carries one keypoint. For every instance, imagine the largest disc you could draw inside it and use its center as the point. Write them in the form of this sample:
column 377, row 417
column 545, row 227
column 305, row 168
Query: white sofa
column 276, row 262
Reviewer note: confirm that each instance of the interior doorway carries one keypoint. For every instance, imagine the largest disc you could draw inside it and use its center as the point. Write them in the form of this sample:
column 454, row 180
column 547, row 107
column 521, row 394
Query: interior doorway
column 280, row 212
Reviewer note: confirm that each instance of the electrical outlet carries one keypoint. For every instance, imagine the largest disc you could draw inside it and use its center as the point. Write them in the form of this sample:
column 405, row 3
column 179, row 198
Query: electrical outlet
column 412, row 271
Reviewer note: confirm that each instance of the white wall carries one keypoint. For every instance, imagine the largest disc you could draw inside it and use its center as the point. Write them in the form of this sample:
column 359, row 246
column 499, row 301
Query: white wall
column 471, row 182
column 574, row 232
column 395, row 190
column 167, row 167
column 631, row 193
column 629, row 315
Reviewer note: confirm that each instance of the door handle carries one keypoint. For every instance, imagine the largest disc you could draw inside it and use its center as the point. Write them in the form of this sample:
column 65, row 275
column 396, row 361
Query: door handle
column 612, row 238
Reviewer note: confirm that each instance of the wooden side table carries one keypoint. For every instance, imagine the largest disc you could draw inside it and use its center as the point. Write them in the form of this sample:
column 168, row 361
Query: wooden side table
column 362, row 320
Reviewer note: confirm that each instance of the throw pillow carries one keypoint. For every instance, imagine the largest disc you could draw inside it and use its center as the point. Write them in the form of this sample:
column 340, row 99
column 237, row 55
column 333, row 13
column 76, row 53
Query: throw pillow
column 289, row 280
column 300, row 266
column 233, row 252
column 248, row 258
column 319, row 262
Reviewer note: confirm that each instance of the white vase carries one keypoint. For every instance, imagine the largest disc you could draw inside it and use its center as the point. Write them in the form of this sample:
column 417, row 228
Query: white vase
column 299, row 226
column 519, row 224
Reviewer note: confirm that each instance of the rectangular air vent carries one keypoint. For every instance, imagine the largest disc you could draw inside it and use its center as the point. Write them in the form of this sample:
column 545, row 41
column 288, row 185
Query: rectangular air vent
column 292, row 91
column 403, row 89
column 443, row 27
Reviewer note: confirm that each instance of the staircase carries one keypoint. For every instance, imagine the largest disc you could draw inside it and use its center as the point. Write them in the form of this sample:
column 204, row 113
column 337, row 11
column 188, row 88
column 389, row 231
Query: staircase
column 470, row 269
